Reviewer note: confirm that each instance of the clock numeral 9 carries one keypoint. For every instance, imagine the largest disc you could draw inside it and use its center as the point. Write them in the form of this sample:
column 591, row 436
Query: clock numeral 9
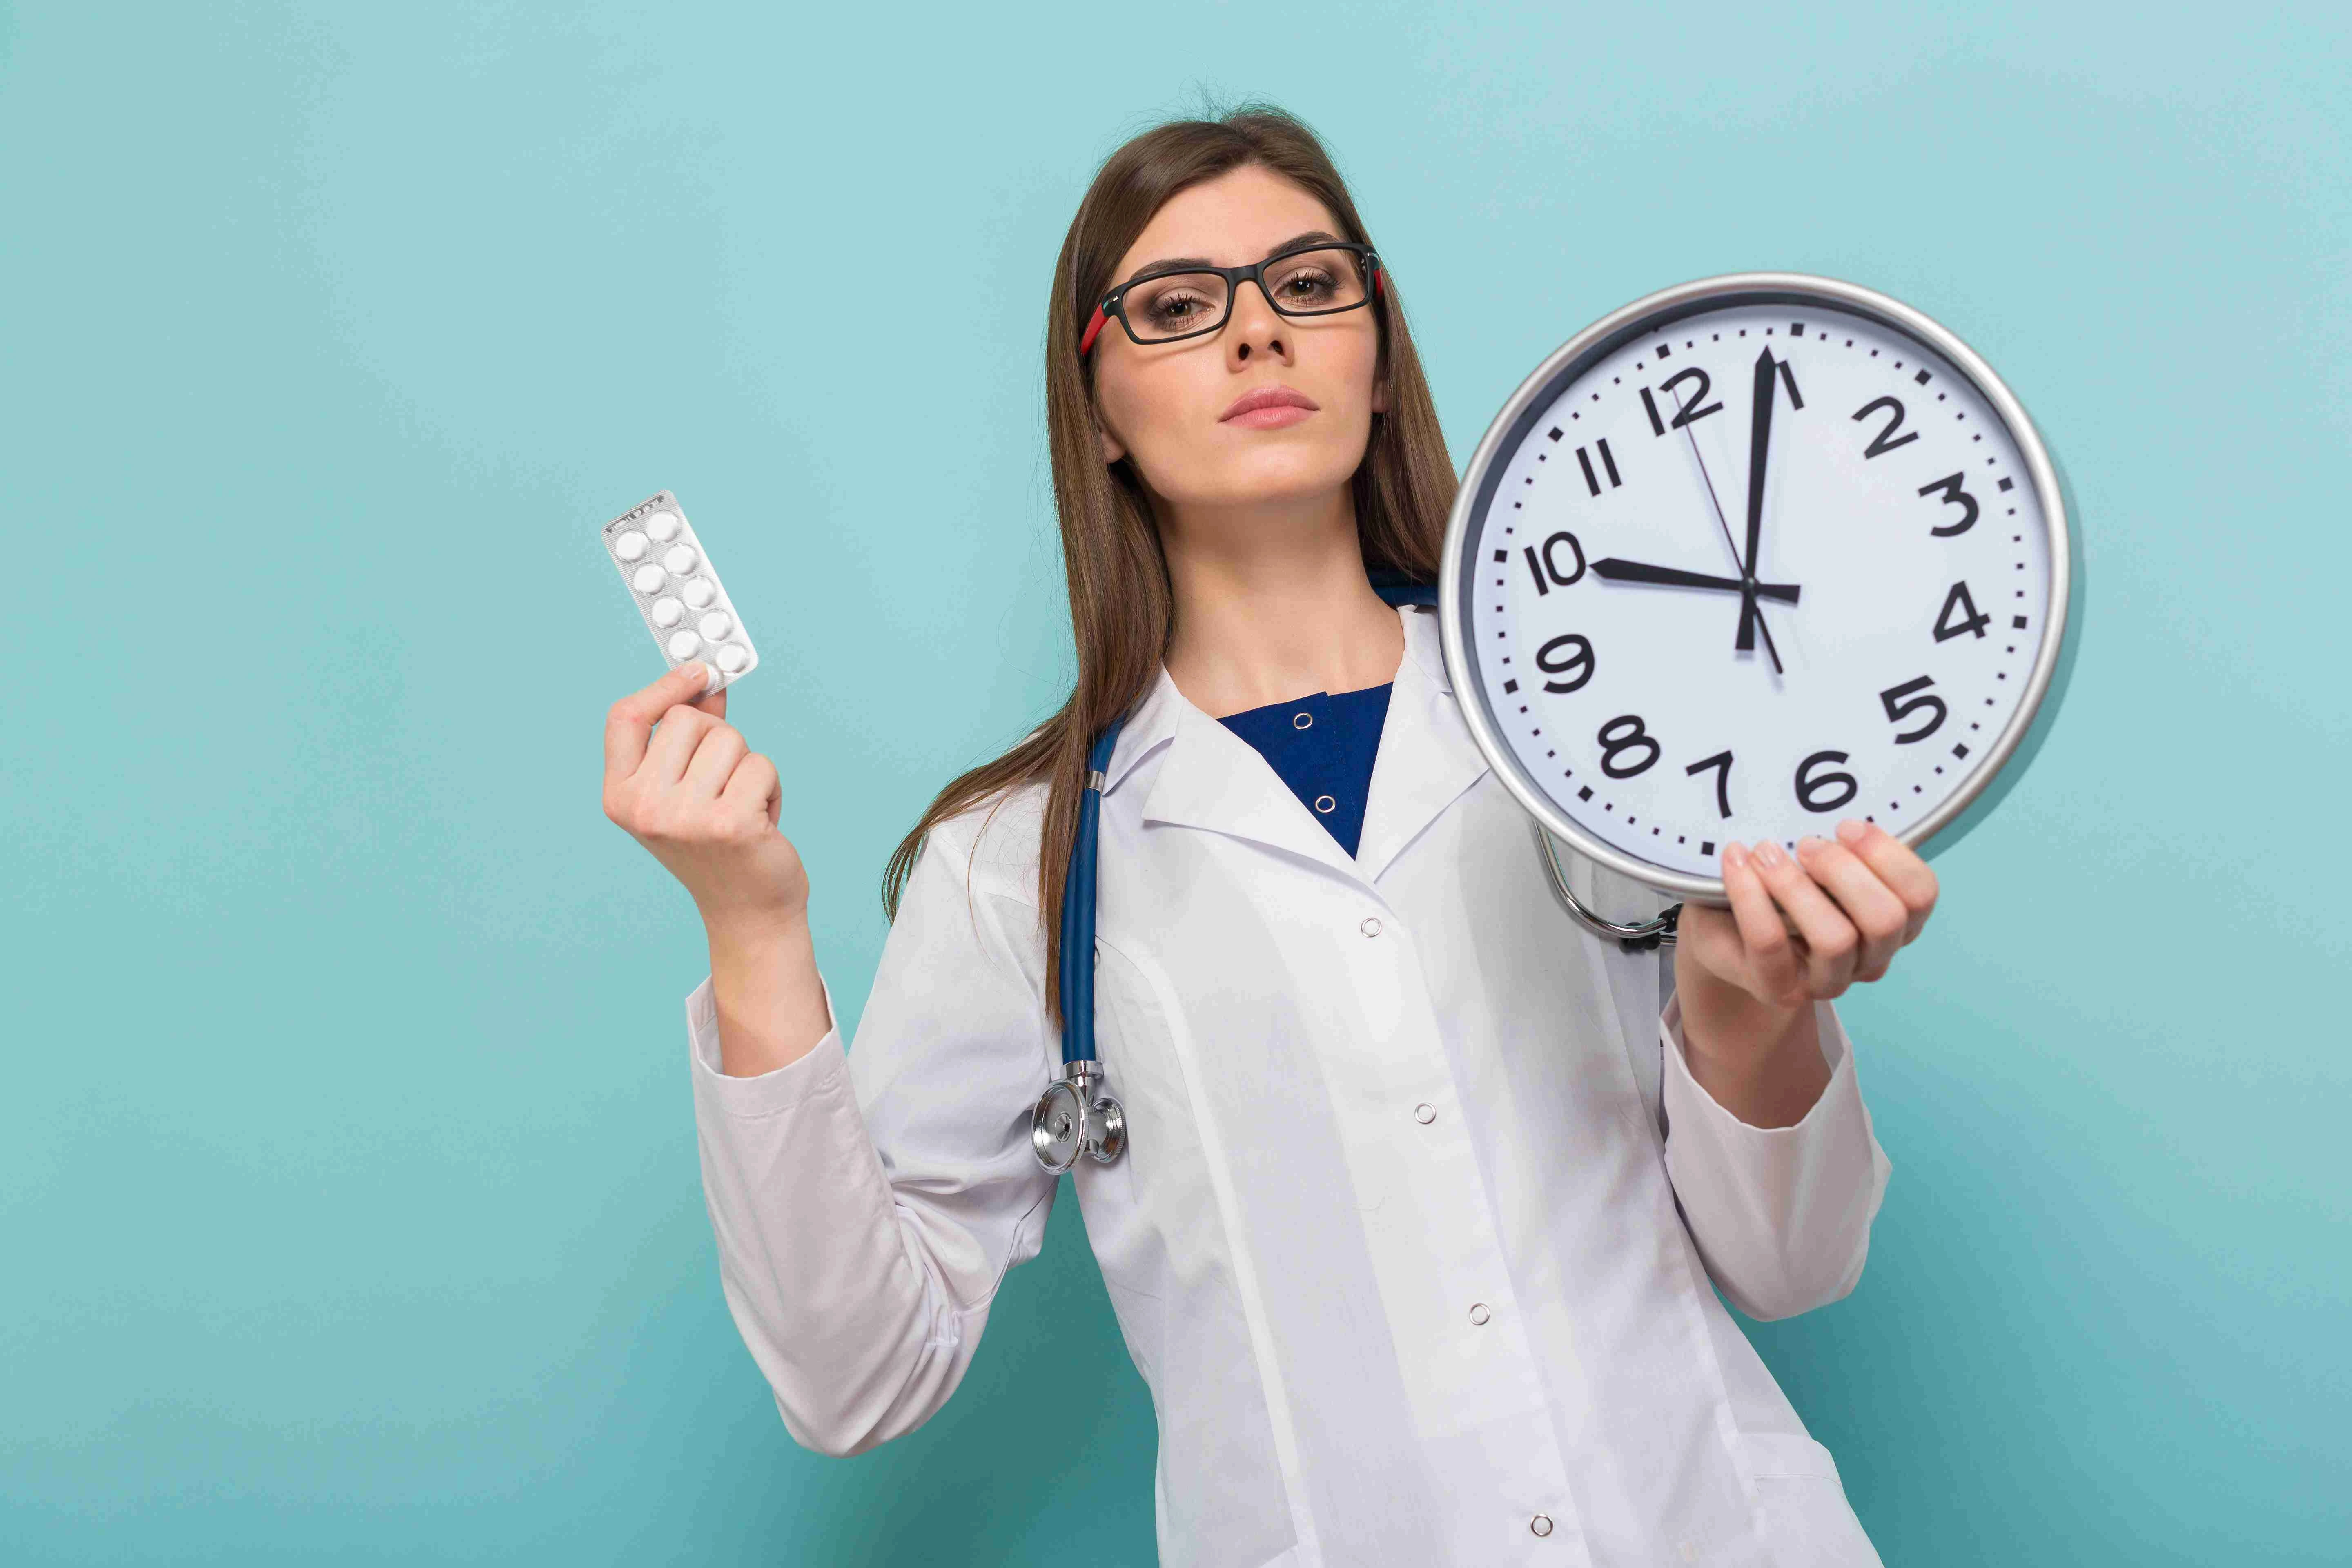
column 1826, row 790
column 1622, row 734
column 1545, row 568
column 1898, row 701
column 1683, row 412
column 1570, row 656
column 1954, row 495
column 1721, row 763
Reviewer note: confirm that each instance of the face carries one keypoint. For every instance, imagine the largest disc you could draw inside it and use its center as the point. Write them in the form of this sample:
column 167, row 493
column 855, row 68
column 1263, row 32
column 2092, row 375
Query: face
column 1171, row 407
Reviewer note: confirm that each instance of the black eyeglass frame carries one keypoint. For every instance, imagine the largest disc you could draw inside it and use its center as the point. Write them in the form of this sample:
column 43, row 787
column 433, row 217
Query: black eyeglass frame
column 1114, row 304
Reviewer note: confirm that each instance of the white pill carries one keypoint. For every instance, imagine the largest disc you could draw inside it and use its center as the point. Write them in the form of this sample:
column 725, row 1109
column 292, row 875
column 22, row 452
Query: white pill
column 649, row 579
column 663, row 525
column 699, row 591
column 733, row 658
column 716, row 624
column 667, row 612
column 680, row 559
column 630, row 546
column 683, row 644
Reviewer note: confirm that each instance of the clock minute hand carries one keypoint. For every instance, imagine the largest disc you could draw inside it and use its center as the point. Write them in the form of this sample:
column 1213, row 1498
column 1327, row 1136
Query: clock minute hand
column 1620, row 571
column 1759, row 451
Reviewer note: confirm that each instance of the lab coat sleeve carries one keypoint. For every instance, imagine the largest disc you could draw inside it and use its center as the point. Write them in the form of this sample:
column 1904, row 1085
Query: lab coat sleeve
column 1781, row 1214
column 867, row 1203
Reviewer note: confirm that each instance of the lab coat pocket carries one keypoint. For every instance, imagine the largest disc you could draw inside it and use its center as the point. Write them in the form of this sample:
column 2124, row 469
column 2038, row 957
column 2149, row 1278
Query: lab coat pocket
column 1807, row 1521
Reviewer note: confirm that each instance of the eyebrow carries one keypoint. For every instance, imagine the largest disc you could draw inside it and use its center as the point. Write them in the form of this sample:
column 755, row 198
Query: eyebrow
column 1174, row 263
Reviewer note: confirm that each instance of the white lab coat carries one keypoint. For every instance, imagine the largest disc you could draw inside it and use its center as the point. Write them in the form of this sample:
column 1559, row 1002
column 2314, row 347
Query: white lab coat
column 1412, row 1238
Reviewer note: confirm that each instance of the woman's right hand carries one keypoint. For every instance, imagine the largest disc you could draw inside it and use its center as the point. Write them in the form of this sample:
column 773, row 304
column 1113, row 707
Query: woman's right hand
column 688, row 786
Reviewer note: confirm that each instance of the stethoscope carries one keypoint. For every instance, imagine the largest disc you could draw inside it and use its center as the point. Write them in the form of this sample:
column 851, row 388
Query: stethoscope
column 1077, row 1115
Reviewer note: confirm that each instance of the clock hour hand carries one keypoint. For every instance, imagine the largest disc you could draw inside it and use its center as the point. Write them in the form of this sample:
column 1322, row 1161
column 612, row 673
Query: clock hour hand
column 1618, row 571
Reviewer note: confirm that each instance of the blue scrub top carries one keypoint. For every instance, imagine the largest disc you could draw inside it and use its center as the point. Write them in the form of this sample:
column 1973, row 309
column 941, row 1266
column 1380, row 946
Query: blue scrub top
column 1322, row 747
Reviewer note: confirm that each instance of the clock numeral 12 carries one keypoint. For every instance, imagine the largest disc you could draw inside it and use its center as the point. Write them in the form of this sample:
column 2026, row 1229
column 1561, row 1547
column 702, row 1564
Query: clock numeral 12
column 1697, row 408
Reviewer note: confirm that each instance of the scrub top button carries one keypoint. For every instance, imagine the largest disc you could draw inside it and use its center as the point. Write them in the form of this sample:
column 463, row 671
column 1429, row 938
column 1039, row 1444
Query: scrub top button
column 1301, row 721
column 1371, row 926
column 1424, row 1114
column 1541, row 1524
column 1326, row 804
column 1478, row 1313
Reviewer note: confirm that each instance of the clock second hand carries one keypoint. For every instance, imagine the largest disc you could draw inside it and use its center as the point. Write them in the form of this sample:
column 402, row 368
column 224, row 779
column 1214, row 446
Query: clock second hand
column 1729, row 544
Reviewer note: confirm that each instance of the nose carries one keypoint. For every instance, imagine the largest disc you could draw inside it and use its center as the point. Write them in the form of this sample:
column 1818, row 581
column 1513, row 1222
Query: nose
column 1256, row 329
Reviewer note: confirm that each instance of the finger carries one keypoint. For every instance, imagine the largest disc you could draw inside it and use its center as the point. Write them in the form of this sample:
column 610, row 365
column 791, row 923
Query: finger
column 754, row 785
column 1899, row 866
column 721, row 747
column 676, row 739
column 1771, row 955
column 1877, row 915
column 1831, row 940
column 629, row 723
column 715, row 704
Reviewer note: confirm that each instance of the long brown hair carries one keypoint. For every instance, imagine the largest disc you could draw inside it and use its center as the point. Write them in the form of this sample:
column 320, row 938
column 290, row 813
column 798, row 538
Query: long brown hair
column 1121, row 607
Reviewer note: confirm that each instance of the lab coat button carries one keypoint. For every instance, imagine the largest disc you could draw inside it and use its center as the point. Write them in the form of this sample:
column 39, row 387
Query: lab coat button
column 1541, row 1524
column 1326, row 804
column 1301, row 721
column 1371, row 926
column 1478, row 1313
column 1424, row 1114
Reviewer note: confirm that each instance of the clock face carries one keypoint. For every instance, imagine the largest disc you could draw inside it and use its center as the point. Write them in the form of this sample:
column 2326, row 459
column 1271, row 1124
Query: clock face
column 1748, row 559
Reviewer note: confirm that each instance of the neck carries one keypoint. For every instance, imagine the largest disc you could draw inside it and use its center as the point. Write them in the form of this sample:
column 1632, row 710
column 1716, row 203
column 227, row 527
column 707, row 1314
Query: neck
column 1272, row 603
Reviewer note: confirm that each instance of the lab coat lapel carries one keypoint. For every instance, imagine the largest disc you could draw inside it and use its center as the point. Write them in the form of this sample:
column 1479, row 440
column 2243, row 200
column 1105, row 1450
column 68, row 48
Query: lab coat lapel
column 1213, row 779
column 1426, row 759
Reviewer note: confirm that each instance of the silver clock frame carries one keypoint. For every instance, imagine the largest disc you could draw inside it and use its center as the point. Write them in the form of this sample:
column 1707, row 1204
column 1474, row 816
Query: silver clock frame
column 1604, row 337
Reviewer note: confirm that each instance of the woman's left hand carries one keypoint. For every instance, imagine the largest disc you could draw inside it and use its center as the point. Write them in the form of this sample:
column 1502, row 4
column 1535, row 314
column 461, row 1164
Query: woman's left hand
column 1798, row 931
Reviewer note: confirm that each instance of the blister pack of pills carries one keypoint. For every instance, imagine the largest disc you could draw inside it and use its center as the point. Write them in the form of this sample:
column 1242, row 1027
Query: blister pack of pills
column 678, row 591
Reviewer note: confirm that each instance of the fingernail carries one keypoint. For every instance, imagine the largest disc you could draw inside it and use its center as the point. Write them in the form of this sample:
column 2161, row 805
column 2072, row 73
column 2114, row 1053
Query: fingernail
column 1768, row 853
column 693, row 672
column 1851, row 832
column 1734, row 857
column 1809, row 845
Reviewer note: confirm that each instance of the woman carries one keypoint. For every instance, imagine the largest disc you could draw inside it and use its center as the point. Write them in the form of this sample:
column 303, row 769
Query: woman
column 1414, row 1239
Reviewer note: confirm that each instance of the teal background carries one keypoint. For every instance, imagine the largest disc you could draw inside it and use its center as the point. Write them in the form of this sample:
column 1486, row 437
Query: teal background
column 347, row 1199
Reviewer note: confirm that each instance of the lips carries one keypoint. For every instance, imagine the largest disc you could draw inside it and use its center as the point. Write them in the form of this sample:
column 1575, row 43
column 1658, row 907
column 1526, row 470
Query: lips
column 1269, row 408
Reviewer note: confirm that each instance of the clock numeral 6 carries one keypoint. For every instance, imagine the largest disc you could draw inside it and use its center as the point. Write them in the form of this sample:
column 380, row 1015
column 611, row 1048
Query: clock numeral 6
column 1954, row 495
column 1545, row 568
column 1721, row 763
column 1826, row 790
column 1570, row 657
column 1898, row 701
column 1622, row 734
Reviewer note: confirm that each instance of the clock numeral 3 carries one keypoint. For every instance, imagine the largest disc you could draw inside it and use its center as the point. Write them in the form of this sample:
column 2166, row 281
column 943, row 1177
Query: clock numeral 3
column 1591, row 479
column 1545, row 568
column 1622, row 734
column 1886, row 440
column 1570, row 656
column 1721, row 763
column 1959, row 616
column 1954, row 495
column 1826, row 790
column 1898, row 701
column 1683, row 412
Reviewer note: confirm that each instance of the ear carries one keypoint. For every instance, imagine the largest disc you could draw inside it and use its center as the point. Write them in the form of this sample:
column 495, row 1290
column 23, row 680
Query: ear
column 1381, row 394
column 1112, row 449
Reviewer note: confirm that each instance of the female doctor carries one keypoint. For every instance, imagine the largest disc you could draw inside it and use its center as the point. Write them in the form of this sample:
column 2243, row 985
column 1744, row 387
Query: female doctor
column 1425, row 1191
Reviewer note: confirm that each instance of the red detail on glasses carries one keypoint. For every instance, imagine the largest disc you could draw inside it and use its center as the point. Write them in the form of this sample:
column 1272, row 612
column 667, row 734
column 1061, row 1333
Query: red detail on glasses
column 1380, row 279
column 1094, row 326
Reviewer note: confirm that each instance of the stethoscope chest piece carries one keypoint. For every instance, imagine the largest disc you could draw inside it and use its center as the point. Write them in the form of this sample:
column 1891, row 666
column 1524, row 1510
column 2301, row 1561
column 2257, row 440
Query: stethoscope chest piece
column 1072, row 1120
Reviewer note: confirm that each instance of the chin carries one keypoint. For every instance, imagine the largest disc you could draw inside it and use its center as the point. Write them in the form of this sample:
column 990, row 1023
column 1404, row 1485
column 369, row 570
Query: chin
column 1299, row 473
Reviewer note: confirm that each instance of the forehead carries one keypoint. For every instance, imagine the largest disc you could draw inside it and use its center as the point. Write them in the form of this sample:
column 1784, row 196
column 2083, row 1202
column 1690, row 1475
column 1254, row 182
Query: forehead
column 1232, row 220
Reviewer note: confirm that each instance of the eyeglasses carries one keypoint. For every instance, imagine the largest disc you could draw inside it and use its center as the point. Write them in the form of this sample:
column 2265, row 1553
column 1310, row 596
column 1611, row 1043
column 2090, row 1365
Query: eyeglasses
column 1193, row 301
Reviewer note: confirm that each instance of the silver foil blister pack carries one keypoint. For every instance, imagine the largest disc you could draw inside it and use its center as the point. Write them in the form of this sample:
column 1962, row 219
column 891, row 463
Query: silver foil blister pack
column 667, row 573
